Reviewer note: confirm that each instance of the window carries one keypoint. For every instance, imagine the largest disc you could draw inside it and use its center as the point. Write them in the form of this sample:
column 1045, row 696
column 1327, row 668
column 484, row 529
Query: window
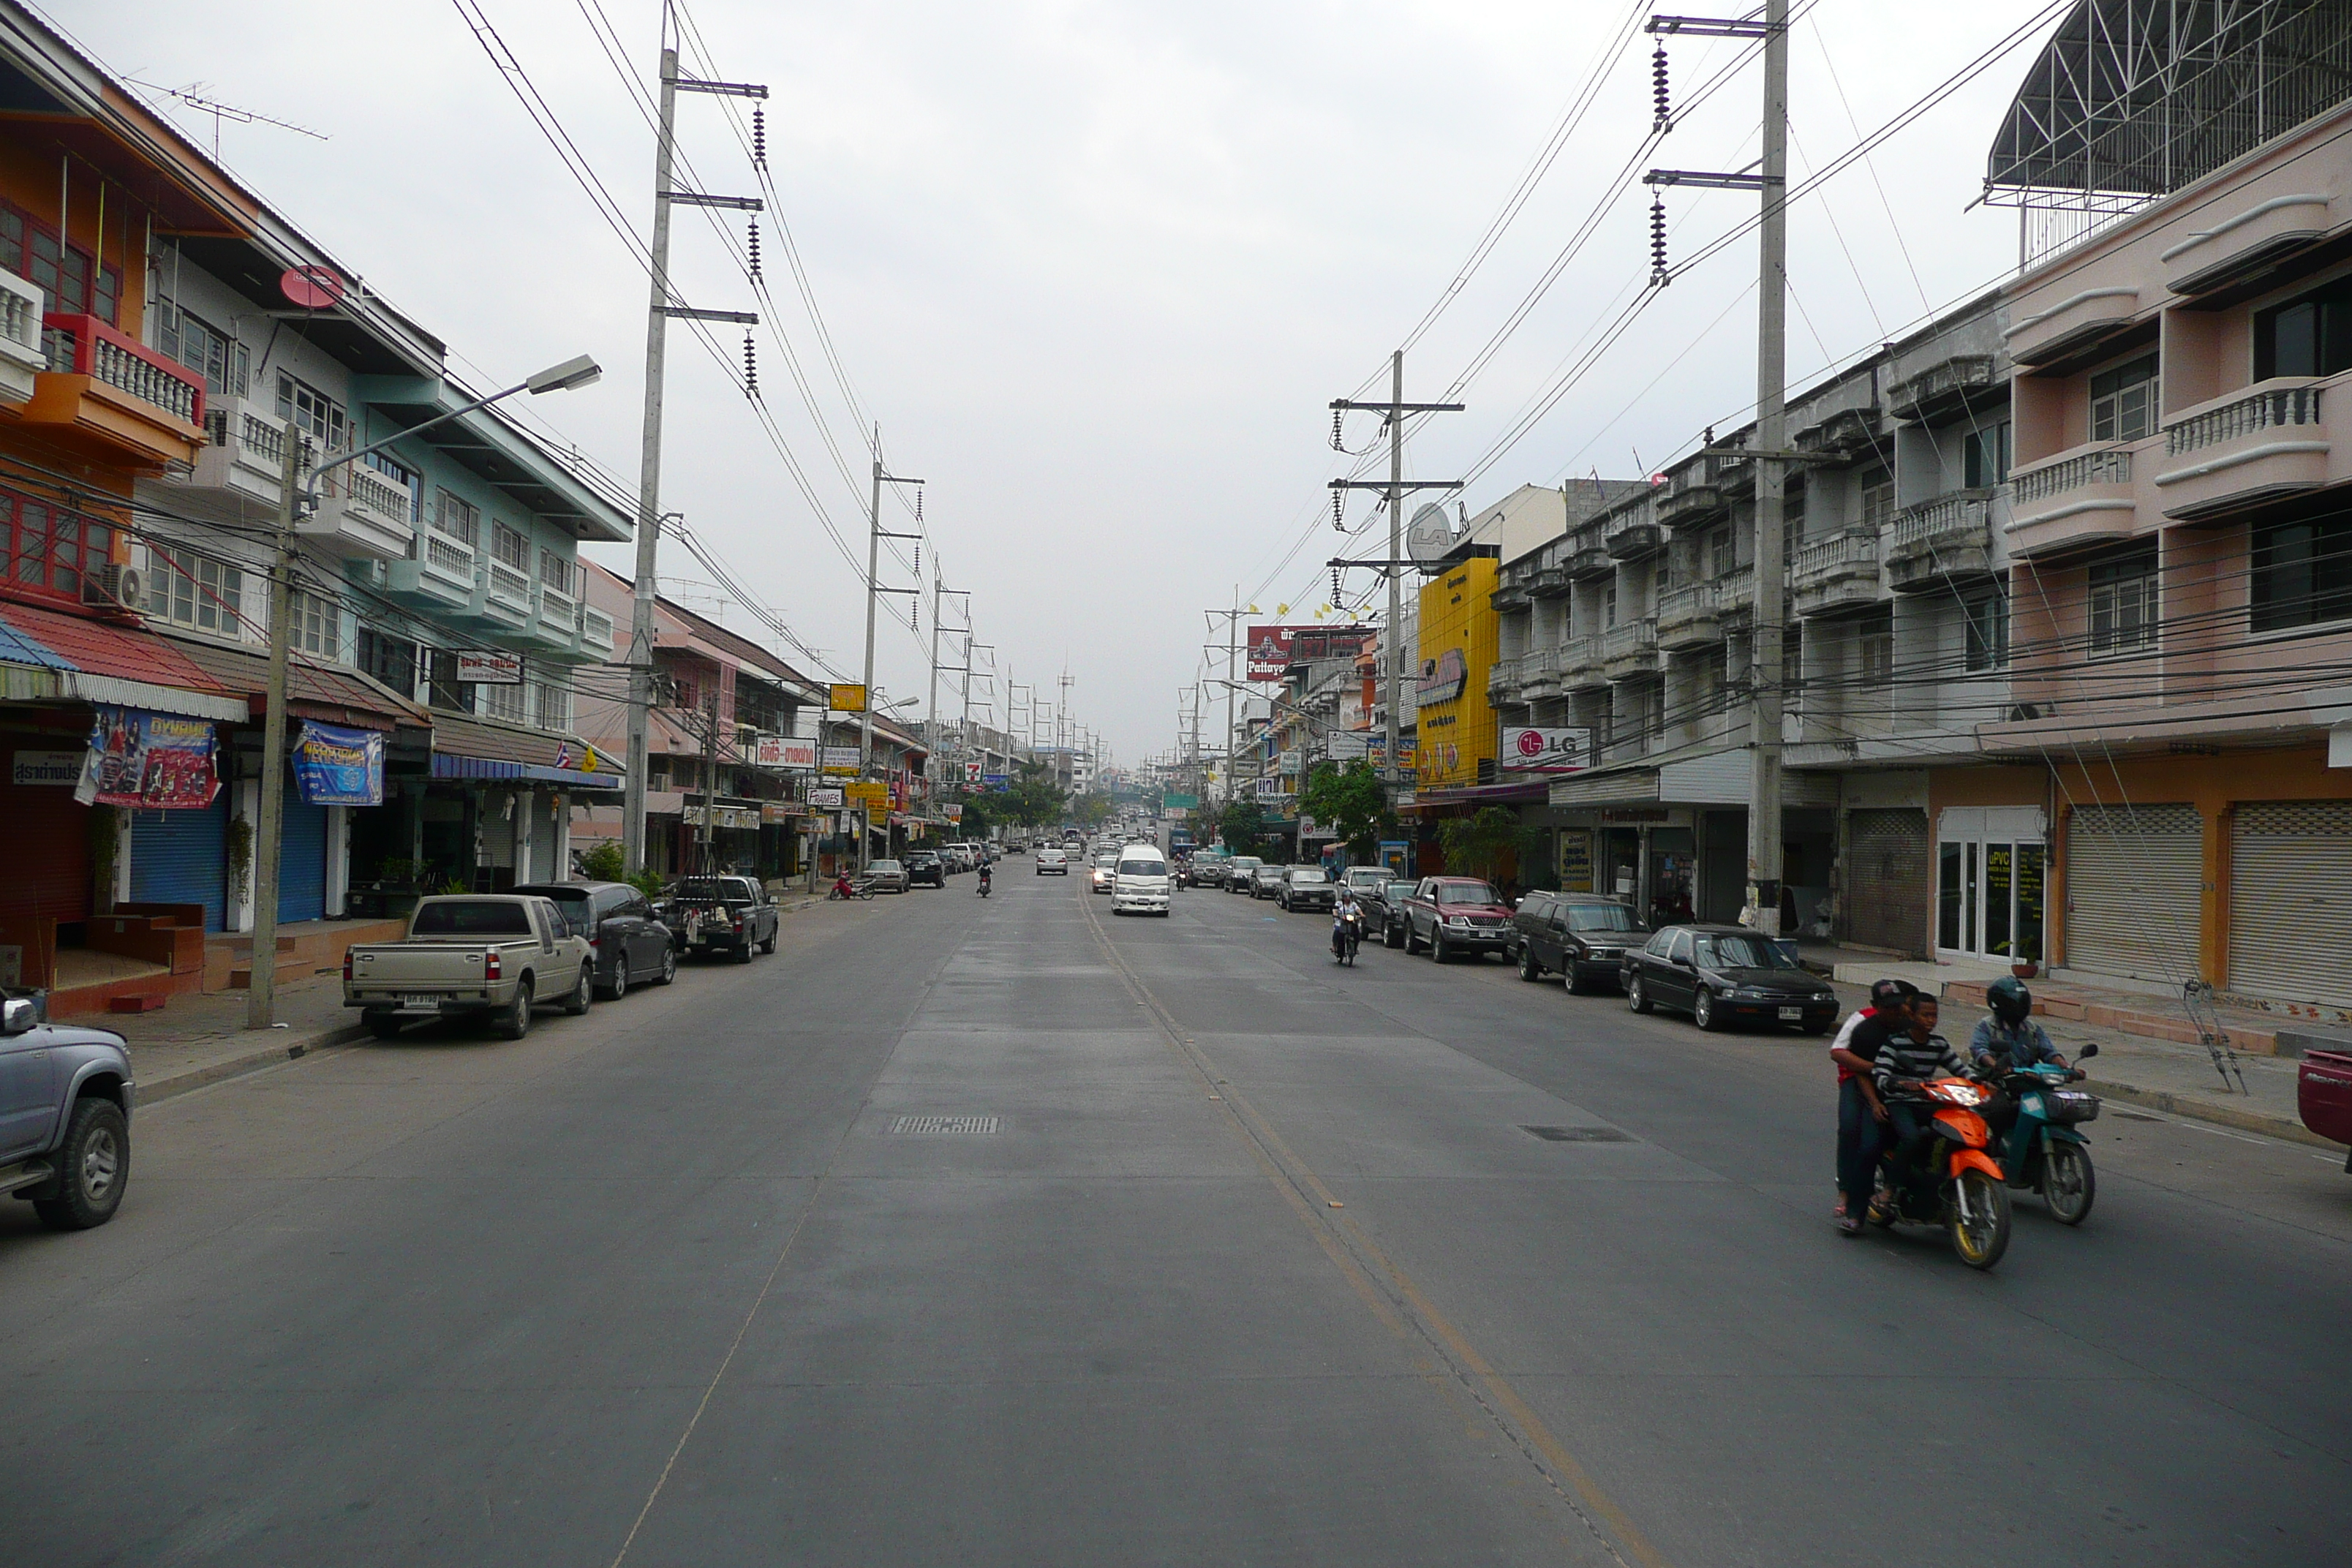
column 31, row 249
column 1793, row 522
column 2123, row 401
column 1792, row 657
column 315, row 625
column 1877, row 488
column 504, row 702
column 1987, row 628
column 444, row 689
column 511, row 547
column 1874, row 637
column 2123, row 606
column 1723, row 552
column 310, row 410
column 389, row 659
column 552, row 706
column 1984, row 457
column 1681, row 951
column 49, row 549
column 2303, row 574
column 192, row 590
column 1609, row 605
column 555, row 571
column 2310, row 336
column 461, row 521
column 220, row 359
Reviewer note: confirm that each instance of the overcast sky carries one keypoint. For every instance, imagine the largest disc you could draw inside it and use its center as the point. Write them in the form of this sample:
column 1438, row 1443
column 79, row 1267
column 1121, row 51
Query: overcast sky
column 1098, row 268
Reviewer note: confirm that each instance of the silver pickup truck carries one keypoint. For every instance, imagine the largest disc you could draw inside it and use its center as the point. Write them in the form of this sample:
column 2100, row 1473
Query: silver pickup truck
column 65, row 1095
column 479, row 954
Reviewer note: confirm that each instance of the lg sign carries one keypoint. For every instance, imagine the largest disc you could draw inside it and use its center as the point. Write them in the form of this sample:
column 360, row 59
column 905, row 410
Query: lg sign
column 1550, row 751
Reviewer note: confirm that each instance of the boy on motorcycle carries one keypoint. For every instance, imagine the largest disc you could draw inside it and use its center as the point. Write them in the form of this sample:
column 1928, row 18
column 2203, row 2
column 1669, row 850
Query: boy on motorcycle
column 1907, row 1059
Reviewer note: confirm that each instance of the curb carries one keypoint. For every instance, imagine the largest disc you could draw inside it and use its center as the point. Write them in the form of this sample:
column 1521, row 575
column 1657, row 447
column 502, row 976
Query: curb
column 153, row 1091
column 2198, row 1109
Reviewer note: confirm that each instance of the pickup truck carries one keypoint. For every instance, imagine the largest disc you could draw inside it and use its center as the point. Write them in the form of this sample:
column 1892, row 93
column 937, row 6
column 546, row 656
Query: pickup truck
column 730, row 915
column 472, row 955
column 2323, row 1096
column 65, row 1095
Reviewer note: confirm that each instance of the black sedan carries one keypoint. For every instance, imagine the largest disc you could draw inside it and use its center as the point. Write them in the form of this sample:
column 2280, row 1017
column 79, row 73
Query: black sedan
column 1722, row 973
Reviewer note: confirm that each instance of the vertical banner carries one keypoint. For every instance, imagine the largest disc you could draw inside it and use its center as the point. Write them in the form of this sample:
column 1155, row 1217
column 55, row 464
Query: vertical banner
column 335, row 766
column 148, row 762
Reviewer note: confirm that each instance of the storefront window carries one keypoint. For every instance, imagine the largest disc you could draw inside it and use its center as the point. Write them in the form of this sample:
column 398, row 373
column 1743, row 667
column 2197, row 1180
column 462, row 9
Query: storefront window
column 1988, row 898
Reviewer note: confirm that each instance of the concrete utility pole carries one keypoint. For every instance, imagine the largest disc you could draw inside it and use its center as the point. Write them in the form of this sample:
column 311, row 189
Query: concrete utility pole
column 1769, row 453
column 874, row 534
column 710, row 783
column 261, row 980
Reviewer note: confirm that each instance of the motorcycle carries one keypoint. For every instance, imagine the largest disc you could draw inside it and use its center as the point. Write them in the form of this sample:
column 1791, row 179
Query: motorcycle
column 2045, row 1153
column 1346, row 936
column 983, row 882
column 1950, row 1183
column 843, row 888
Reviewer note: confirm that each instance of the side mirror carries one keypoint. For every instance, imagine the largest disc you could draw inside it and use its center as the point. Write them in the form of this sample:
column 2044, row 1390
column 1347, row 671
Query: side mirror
column 18, row 1014
column 2088, row 1052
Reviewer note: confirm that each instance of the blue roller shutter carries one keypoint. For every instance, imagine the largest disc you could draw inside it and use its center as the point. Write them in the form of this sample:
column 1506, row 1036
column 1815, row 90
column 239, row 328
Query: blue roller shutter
column 181, row 857
column 303, row 863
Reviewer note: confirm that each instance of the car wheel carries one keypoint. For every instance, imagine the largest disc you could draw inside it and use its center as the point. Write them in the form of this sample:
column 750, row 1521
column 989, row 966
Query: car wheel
column 1637, row 995
column 620, row 986
column 770, row 945
column 744, row 950
column 1528, row 968
column 1703, row 1010
column 1390, row 936
column 669, row 965
column 1411, row 942
column 583, row 995
column 1438, row 951
column 515, row 1022
column 384, row 1026
column 1574, row 977
column 93, row 1167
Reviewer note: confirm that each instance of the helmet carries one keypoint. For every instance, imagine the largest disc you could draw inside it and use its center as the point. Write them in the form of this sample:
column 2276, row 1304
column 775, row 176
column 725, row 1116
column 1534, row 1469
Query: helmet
column 1886, row 995
column 2011, row 1002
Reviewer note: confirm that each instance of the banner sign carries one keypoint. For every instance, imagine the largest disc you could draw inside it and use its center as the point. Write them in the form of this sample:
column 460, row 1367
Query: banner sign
column 841, row 759
column 995, row 781
column 488, row 667
column 779, row 752
column 847, row 698
column 1273, row 649
column 1347, row 745
column 148, row 760
column 335, row 766
column 1545, row 751
column 825, row 797
column 1443, row 677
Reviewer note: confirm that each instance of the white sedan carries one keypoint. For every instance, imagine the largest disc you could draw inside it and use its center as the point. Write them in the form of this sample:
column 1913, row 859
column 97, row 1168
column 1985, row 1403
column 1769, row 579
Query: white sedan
column 1053, row 863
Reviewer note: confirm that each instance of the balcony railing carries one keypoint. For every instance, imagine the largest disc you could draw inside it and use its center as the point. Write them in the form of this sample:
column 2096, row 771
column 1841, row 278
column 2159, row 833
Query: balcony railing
column 84, row 345
column 595, row 631
column 258, row 435
column 1578, row 656
column 448, row 556
column 555, row 605
column 2108, row 465
column 1633, row 637
column 1961, row 515
column 506, row 583
column 1841, row 553
column 1690, row 599
column 2272, row 410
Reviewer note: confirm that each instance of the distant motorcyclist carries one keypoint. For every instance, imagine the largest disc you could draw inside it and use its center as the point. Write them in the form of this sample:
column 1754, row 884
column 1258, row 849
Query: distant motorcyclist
column 2006, row 1039
column 1345, row 908
column 984, row 879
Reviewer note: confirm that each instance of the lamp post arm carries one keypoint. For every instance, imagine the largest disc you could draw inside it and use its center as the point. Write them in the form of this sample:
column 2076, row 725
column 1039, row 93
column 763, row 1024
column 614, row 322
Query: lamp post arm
column 311, row 486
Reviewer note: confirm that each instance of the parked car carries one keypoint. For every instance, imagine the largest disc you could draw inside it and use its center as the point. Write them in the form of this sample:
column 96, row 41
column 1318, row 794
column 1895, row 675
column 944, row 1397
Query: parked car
column 1241, row 871
column 1583, row 936
column 1366, row 879
column 957, row 856
column 65, row 1098
column 1105, row 869
column 471, row 955
column 1449, row 916
column 2323, row 1096
column 1306, row 888
column 1384, row 910
column 1721, row 973
column 1140, row 881
column 1053, row 862
column 888, row 875
column 925, row 868
column 730, row 915
column 1265, row 881
column 626, row 944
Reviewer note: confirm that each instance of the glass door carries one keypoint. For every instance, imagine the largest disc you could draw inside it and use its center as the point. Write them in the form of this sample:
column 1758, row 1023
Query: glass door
column 1988, row 898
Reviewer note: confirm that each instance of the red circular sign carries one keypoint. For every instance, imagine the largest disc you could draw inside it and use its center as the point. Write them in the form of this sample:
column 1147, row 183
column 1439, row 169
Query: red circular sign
column 314, row 287
column 1530, row 743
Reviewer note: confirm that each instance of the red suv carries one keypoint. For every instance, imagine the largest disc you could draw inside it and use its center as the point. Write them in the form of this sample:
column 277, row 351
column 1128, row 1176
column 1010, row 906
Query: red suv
column 1450, row 915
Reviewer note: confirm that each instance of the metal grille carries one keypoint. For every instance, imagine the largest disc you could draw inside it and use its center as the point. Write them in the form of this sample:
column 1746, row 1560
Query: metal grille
column 1579, row 1135
column 2134, row 876
column 939, row 1124
column 1888, row 884
column 2291, row 900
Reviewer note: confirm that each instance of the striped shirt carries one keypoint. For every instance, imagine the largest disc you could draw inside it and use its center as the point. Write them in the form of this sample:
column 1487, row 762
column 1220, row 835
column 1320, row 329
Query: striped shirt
column 1903, row 1057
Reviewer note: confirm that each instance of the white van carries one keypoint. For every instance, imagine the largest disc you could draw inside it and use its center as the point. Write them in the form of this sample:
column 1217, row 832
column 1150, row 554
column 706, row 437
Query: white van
column 1140, row 881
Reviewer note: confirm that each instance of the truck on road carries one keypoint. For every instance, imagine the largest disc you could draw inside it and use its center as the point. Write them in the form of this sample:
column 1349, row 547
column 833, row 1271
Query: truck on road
column 493, row 955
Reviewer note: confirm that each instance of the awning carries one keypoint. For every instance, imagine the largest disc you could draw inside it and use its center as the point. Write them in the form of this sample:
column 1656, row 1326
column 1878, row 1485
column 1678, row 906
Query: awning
column 1696, row 776
column 485, row 749
column 325, row 692
column 71, row 659
column 1484, row 794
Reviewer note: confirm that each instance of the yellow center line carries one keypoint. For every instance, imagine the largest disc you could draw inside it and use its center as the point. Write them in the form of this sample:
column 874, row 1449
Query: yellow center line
column 1408, row 1311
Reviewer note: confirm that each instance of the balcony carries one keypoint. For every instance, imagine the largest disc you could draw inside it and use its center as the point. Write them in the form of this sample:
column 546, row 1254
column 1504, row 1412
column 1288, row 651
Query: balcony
column 1840, row 572
column 1508, row 598
column 363, row 514
column 1633, row 535
column 1846, row 434
column 2257, row 445
column 1947, row 388
column 116, row 395
column 595, row 633
column 1540, row 675
column 1629, row 651
column 1941, row 542
column 502, row 599
column 1588, row 560
column 1548, row 582
column 439, row 577
column 1694, row 506
column 1579, row 665
column 1503, row 684
column 1689, row 617
column 242, row 459
column 2074, row 500
column 23, row 355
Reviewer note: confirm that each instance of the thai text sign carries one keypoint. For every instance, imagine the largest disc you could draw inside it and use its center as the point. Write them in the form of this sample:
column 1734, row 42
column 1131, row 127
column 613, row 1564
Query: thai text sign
column 335, row 766
column 841, row 759
column 872, row 793
column 488, row 667
column 781, row 751
column 847, row 699
column 147, row 761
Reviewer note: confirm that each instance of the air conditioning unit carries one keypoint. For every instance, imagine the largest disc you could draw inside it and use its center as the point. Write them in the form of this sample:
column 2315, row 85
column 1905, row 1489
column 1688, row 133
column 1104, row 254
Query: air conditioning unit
column 116, row 587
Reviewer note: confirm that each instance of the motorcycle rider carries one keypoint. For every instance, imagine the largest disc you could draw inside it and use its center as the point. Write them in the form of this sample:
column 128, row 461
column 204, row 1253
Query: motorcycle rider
column 1908, row 1058
column 1862, row 1115
column 2005, row 1039
column 983, row 878
column 1343, row 908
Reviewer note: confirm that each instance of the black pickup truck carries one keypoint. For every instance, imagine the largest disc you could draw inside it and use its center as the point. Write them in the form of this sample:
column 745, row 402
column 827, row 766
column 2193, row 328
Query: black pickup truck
column 715, row 915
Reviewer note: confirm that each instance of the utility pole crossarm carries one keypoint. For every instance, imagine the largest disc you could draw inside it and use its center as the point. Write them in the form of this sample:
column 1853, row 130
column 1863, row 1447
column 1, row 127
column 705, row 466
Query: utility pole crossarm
column 1386, row 485
column 732, row 203
column 1709, row 182
column 689, row 313
column 1346, row 403
column 722, row 88
column 1716, row 26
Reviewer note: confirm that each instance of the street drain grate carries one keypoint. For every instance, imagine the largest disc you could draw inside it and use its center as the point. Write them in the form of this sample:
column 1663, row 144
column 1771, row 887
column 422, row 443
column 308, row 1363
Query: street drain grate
column 1579, row 1135
column 943, row 1124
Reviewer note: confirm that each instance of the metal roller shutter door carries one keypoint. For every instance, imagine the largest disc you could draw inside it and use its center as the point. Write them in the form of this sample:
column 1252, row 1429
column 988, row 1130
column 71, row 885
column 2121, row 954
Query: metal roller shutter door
column 2134, row 879
column 2291, row 900
column 303, row 861
column 181, row 857
column 1889, row 881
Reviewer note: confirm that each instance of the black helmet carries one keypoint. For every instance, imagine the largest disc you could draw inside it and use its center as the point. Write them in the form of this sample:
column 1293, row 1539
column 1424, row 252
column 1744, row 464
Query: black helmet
column 2011, row 1002
column 1887, row 994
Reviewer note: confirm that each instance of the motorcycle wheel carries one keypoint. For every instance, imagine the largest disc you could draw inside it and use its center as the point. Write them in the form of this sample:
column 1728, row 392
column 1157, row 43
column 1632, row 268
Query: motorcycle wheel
column 1981, row 1243
column 2069, row 1186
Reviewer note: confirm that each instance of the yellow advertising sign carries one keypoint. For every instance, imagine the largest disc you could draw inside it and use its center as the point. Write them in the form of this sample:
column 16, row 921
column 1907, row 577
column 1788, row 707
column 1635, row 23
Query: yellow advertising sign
column 848, row 699
column 872, row 793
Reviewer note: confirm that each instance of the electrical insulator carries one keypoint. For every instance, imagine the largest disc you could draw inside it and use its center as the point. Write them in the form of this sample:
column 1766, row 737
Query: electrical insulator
column 919, row 506
column 1339, row 503
column 1665, row 119
column 918, row 554
column 750, row 369
column 1658, row 274
column 760, row 133
column 914, row 616
column 755, row 250
column 1335, row 431
column 1335, row 584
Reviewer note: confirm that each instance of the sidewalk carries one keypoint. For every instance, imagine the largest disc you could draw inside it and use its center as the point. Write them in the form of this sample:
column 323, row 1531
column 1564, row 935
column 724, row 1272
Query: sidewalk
column 201, row 1039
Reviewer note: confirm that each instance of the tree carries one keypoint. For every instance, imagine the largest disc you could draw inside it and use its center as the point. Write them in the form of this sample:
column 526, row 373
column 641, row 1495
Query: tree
column 1242, row 826
column 1351, row 800
column 1479, row 844
column 1091, row 810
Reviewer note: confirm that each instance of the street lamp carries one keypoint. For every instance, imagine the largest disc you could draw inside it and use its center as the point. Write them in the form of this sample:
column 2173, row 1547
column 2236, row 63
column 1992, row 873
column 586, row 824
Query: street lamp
column 297, row 499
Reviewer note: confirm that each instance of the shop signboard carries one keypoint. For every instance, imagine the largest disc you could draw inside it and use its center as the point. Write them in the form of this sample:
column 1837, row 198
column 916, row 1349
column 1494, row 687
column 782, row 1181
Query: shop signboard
column 841, row 759
column 1545, row 751
column 336, row 766
column 954, row 812
column 148, row 760
column 825, row 797
column 1347, row 745
column 995, row 781
column 784, row 753
column 1442, row 679
column 872, row 793
column 59, row 768
column 1576, row 861
column 1180, row 802
column 846, row 699
column 773, row 813
column 1273, row 649
column 488, row 667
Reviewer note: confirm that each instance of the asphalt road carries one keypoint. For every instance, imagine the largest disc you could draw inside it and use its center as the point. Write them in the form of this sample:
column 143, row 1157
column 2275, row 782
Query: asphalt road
column 1255, row 1264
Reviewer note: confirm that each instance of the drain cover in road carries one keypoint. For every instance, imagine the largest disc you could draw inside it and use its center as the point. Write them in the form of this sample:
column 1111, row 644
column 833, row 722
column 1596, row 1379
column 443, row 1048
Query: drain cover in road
column 944, row 1124
column 1579, row 1135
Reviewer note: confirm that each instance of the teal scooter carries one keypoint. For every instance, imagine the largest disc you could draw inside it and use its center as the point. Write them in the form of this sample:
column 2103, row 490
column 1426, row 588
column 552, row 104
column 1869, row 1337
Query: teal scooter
column 2046, row 1153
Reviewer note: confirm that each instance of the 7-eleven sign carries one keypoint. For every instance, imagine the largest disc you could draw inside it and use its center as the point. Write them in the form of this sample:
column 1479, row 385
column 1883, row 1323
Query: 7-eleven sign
column 971, row 773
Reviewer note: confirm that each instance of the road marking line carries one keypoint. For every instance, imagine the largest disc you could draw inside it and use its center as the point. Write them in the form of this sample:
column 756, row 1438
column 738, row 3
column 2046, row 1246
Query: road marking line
column 1358, row 1257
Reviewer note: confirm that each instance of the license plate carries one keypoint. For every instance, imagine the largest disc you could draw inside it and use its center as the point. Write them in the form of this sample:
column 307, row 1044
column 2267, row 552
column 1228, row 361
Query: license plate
column 432, row 1002
column 1792, row 1014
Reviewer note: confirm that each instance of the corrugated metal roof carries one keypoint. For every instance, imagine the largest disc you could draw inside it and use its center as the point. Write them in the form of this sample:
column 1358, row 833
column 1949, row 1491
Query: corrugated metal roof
column 99, row 663
column 325, row 692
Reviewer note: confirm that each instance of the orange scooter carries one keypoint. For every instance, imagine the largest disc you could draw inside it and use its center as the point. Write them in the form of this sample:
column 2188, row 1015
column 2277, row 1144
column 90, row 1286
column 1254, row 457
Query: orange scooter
column 1951, row 1182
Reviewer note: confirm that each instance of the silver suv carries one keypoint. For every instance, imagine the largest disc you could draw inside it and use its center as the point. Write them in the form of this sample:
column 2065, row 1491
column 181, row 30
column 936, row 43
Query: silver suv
column 65, row 1095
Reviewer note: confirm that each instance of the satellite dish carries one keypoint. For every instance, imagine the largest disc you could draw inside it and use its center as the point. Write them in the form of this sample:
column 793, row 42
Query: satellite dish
column 1429, row 538
column 314, row 287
